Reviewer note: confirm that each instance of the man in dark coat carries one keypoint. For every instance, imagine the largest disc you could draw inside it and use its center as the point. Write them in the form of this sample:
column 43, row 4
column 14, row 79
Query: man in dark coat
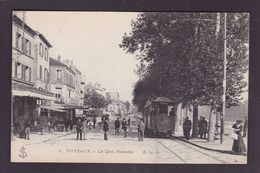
column 186, row 128
column 124, row 124
column 79, row 129
column 105, row 128
column 117, row 126
column 204, row 128
column 141, row 127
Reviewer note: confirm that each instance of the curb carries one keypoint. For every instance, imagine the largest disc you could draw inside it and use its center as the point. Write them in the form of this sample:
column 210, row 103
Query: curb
column 206, row 148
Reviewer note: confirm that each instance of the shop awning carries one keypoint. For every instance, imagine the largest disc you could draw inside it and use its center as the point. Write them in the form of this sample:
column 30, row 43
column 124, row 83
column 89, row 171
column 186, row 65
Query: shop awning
column 30, row 91
column 31, row 94
column 52, row 109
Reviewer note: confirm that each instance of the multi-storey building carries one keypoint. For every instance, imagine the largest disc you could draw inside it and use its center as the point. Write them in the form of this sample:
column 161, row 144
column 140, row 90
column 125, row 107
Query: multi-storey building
column 63, row 85
column 25, row 93
column 116, row 107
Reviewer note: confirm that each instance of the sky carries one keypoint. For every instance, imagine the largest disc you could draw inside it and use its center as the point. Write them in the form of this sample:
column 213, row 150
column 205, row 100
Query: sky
column 91, row 40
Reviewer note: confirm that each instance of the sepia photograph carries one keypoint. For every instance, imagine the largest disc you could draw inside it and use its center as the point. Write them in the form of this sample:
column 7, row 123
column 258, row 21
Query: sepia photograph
column 130, row 87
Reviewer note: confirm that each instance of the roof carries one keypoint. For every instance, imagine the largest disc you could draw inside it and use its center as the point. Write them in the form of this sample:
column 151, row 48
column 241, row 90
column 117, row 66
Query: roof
column 162, row 99
column 19, row 22
column 159, row 100
column 54, row 62
column 45, row 40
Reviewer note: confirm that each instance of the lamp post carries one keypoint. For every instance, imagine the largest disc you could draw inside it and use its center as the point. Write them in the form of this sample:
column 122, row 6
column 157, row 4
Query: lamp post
column 224, row 67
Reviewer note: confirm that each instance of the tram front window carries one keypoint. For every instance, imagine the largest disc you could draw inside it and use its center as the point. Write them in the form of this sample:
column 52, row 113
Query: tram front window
column 163, row 109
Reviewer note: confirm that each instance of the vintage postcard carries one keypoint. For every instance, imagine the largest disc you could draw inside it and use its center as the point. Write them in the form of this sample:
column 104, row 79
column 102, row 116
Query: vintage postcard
column 130, row 87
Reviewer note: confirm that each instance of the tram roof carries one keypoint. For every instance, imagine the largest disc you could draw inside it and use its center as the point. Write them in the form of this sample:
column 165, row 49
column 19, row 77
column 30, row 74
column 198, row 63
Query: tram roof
column 158, row 100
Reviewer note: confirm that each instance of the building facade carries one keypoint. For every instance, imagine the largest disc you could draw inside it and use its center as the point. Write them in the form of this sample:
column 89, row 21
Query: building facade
column 25, row 93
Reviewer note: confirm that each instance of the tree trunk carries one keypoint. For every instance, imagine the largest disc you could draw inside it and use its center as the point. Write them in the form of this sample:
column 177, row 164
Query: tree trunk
column 211, row 126
column 195, row 121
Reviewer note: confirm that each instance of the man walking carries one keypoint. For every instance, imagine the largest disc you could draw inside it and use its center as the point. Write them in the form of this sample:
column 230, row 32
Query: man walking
column 124, row 127
column 117, row 126
column 79, row 129
column 141, row 130
column 186, row 128
column 204, row 128
column 105, row 128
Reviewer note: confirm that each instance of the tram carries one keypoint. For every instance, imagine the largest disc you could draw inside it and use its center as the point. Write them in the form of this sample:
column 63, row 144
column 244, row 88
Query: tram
column 158, row 122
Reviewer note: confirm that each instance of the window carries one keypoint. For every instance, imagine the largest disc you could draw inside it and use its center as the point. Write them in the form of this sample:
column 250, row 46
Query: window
column 18, row 40
column 27, row 73
column 41, row 50
column 30, row 49
column 46, row 54
column 57, row 96
column 18, row 70
column 58, row 75
column 163, row 109
column 40, row 72
column 45, row 75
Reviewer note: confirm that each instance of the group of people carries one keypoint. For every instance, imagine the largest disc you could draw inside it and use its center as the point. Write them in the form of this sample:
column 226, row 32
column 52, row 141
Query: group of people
column 82, row 126
column 123, row 125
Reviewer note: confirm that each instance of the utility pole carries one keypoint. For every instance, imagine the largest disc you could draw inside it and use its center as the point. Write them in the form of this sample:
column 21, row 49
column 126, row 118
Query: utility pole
column 224, row 80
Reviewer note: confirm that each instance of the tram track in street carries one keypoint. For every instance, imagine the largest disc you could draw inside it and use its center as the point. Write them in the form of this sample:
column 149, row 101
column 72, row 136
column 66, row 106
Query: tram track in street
column 205, row 154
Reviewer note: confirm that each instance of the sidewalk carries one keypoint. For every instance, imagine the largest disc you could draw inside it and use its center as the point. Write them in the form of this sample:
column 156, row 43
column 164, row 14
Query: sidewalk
column 225, row 147
column 36, row 137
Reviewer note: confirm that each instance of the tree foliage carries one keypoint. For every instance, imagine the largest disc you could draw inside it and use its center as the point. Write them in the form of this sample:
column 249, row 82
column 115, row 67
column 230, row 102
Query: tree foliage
column 95, row 100
column 181, row 57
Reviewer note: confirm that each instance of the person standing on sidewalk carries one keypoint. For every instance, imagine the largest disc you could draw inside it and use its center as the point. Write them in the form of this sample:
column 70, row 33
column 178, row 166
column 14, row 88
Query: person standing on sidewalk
column 105, row 128
column 174, row 117
column 245, row 127
column 204, row 127
column 238, row 144
column 117, row 126
column 124, row 127
column 141, row 130
column 94, row 122
column 79, row 129
column 186, row 128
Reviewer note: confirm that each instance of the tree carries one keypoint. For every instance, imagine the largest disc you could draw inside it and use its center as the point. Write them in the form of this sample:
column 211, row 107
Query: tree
column 127, row 104
column 95, row 100
column 181, row 56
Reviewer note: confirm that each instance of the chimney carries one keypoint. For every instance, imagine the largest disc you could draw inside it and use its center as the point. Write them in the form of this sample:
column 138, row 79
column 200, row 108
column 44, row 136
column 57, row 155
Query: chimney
column 59, row 58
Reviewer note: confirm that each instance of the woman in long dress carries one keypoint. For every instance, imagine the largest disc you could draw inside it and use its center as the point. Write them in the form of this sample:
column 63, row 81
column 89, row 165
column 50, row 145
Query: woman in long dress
column 238, row 144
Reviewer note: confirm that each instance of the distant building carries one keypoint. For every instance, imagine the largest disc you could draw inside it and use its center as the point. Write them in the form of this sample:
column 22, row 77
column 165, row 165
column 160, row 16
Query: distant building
column 116, row 106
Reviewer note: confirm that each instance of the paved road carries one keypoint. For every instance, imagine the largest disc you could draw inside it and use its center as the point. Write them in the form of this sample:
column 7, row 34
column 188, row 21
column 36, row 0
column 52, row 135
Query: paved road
column 118, row 149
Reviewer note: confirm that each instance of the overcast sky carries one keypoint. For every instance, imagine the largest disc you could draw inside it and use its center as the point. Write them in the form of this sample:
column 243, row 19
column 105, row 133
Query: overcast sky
column 91, row 40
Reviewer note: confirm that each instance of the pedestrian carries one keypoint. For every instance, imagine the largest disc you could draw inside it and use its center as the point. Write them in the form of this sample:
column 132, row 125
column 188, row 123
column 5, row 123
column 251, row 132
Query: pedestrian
column 245, row 127
column 186, row 128
column 141, row 130
column 117, row 126
column 84, row 129
column 174, row 118
column 94, row 122
column 238, row 143
column 204, row 127
column 124, row 127
column 79, row 129
column 71, row 125
column 49, row 126
column 199, row 127
column 105, row 128
column 66, row 124
column 128, row 121
column 27, row 130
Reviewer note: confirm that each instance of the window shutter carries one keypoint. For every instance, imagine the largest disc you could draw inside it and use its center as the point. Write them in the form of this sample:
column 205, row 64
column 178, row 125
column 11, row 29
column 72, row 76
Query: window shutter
column 15, row 67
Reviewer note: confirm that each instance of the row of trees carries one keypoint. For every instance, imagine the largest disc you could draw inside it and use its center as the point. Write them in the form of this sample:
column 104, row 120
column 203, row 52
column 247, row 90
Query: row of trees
column 181, row 57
